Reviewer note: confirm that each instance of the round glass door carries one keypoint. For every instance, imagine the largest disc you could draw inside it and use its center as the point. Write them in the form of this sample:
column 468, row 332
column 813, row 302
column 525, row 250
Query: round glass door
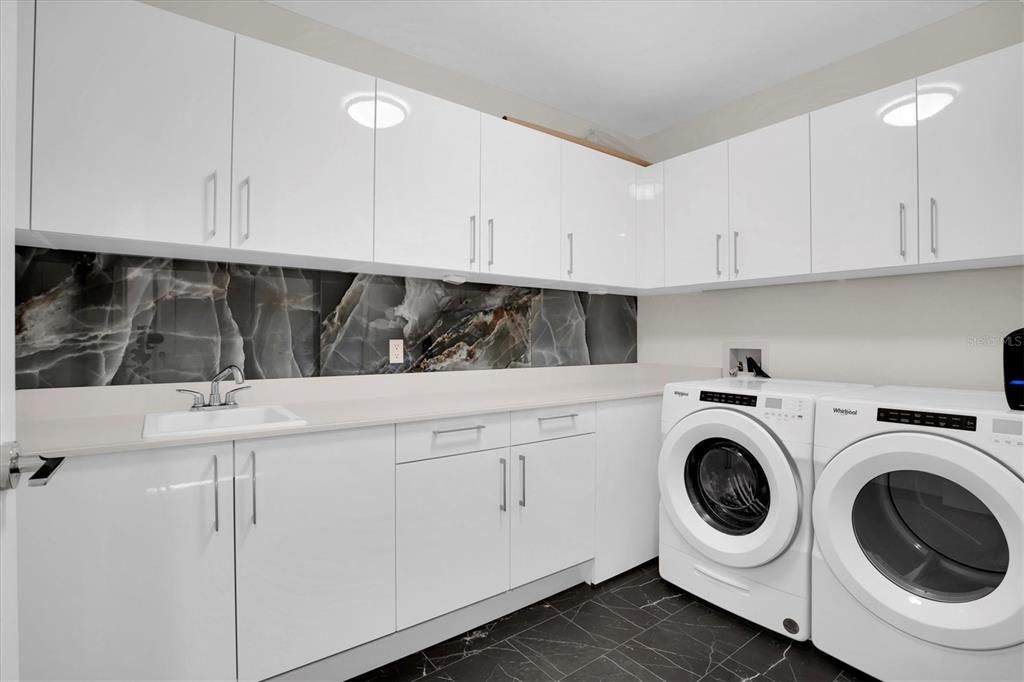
column 727, row 486
column 930, row 536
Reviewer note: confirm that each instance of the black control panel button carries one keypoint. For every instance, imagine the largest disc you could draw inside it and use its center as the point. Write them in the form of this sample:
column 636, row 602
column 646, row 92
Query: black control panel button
column 960, row 422
column 729, row 398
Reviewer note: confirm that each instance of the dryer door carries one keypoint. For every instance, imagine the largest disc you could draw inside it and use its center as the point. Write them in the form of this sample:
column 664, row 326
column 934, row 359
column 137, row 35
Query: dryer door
column 926, row 533
column 729, row 488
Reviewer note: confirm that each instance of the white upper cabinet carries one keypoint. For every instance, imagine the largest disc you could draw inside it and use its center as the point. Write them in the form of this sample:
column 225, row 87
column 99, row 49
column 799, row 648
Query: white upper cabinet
column 598, row 217
column 427, row 195
column 971, row 153
column 650, row 226
column 315, row 546
column 864, row 182
column 697, row 246
column 520, row 200
column 302, row 177
column 770, row 201
column 132, row 123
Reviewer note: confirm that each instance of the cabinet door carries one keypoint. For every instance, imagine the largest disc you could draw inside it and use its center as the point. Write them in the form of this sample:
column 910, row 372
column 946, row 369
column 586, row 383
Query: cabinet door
column 650, row 226
column 552, row 506
column 302, row 166
column 126, row 568
column 315, row 546
column 697, row 217
column 971, row 158
column 864, row 183
column 131, row 131
column 770, row 201
column 520, row 200
column 598, row 217
column 452, row 535
column 427, row 196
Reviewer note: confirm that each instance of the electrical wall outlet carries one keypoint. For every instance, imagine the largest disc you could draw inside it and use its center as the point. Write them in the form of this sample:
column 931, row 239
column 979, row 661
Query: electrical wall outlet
column 396, row 351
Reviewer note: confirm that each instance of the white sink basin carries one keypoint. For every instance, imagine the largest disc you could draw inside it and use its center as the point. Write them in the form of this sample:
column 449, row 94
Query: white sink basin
column 204, row 422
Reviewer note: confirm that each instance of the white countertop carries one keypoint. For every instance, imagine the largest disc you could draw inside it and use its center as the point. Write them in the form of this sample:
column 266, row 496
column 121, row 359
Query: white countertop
column 87, row 421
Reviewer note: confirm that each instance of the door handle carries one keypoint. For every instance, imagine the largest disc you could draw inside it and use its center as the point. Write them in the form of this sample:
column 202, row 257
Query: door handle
column 478, row 427
column 472, row 239
column 213, row 233
column 718, row 254
column 253, row 454
column 504, row 484
column 903, row 230
column 490, row 241
column 572, row 415
column 216, row 494
column 934, row 231
column 522, row 465
column 736, row 252
column 571, row 254
column 248, row 208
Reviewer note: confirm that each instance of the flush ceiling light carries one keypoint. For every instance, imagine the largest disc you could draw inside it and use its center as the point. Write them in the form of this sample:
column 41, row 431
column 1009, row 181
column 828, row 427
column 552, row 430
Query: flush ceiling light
column 380, row 111
column 906, row 111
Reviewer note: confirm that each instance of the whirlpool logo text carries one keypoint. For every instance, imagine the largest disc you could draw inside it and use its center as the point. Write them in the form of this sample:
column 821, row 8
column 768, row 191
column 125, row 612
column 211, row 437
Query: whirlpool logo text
column 845, row 411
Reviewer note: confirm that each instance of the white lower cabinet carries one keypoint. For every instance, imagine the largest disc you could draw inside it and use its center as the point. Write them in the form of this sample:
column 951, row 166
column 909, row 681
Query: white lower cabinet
column 315, row 554
column 552, row 506
column 126, row 568
column 452, row 533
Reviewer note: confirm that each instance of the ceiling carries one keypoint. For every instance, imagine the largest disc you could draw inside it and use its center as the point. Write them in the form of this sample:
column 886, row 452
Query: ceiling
column 633, row 67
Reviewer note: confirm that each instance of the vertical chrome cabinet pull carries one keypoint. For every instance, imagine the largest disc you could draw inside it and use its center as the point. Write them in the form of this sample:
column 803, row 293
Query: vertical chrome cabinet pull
column 253, row 454
column 504, row 485
column 213, row 233
column 522, row 464
column 472, row 239
column 903, row 230
column 933, row 212
column 490, row 241
column 736, row 252
column 571, row 254
column 718, row 254
column 216, row 494
column 248, row 208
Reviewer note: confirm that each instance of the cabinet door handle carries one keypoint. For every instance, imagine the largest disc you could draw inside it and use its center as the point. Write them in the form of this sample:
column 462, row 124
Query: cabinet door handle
column 571, row 254
column 253, row 454
column 736, row 252
column 504, row 484
column 213, row 232
column 248, row 208
column 718, row 254
column 216, row 494
column 478, row 427
column 903, row 230
column 472, row 239
column 522, row 466
column 934, row 215
column 490, row 241
column 572, row 415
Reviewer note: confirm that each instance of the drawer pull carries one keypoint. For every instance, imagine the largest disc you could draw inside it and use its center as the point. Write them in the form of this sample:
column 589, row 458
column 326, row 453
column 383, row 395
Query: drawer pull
column 572, row 415
column 504, row 485
column 478, row 427
column 522, row 463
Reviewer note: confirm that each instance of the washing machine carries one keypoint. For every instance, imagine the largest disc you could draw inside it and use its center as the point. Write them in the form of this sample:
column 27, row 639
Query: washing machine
column 918, row 549
column 736, row 474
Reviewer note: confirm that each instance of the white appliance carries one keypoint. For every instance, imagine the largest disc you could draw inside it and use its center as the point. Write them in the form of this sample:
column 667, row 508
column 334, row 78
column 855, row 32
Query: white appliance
column 736, row 473
column 918, row 549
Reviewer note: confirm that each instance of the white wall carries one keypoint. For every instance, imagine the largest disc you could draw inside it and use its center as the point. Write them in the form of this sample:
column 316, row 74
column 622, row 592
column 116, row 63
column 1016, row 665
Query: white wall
column 941, row 329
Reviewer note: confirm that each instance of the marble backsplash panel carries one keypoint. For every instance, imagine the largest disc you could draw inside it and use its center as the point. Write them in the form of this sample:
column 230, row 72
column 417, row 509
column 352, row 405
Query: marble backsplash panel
column 89, row 319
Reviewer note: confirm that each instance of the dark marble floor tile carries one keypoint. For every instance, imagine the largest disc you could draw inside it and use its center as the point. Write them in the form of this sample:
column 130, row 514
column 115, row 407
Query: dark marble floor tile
column 719, row 629
column 653, row 664
column 731, row 671
column 655, row 596
column 493, row 664
column 642, row 617
column 412, row 667
column 603, row 622
column 639, row 672
column 853, row 675
column 489, row 634
column 781, row 659
column 636, row 575
column 560, row 647
column 603, row 669
column 674, row 643
column 571, row 598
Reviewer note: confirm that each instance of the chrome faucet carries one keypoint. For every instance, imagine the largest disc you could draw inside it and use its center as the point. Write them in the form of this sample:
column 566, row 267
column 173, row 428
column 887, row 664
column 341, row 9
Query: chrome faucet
column 199, row 401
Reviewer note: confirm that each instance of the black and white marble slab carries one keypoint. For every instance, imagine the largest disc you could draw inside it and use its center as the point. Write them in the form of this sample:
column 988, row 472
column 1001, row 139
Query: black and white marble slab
column 88, row 319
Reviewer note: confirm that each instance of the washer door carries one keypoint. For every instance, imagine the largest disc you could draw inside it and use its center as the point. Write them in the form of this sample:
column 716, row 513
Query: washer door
column 729, row 488
column 925, row 532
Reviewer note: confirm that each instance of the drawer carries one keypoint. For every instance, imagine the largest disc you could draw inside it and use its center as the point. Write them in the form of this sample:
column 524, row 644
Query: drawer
column 443, row 437
column 530, row 426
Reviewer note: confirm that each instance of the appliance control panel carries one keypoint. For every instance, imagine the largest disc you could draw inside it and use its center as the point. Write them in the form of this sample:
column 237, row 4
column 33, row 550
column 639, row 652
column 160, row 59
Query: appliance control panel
column 728, row 398
column 939, row 420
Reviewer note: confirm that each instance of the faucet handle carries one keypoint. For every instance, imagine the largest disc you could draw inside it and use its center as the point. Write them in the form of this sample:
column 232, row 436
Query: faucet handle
column 198, row 399
column 229, row 398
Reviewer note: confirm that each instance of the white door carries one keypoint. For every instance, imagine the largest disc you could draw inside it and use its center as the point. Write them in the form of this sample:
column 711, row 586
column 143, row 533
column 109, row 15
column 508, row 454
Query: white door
column 520, row 200
column 452, row 534
column 126, row 568
column 972, row 158
column 315, row 534
column 598, row 217
column 927, row 533
column 650, row 226
column 302, row 166
column 697, row 244
column 729, row 488
column 427, row 194
column 552, row 506
column 132, row 123
column 770, row 201
column 864, row 181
